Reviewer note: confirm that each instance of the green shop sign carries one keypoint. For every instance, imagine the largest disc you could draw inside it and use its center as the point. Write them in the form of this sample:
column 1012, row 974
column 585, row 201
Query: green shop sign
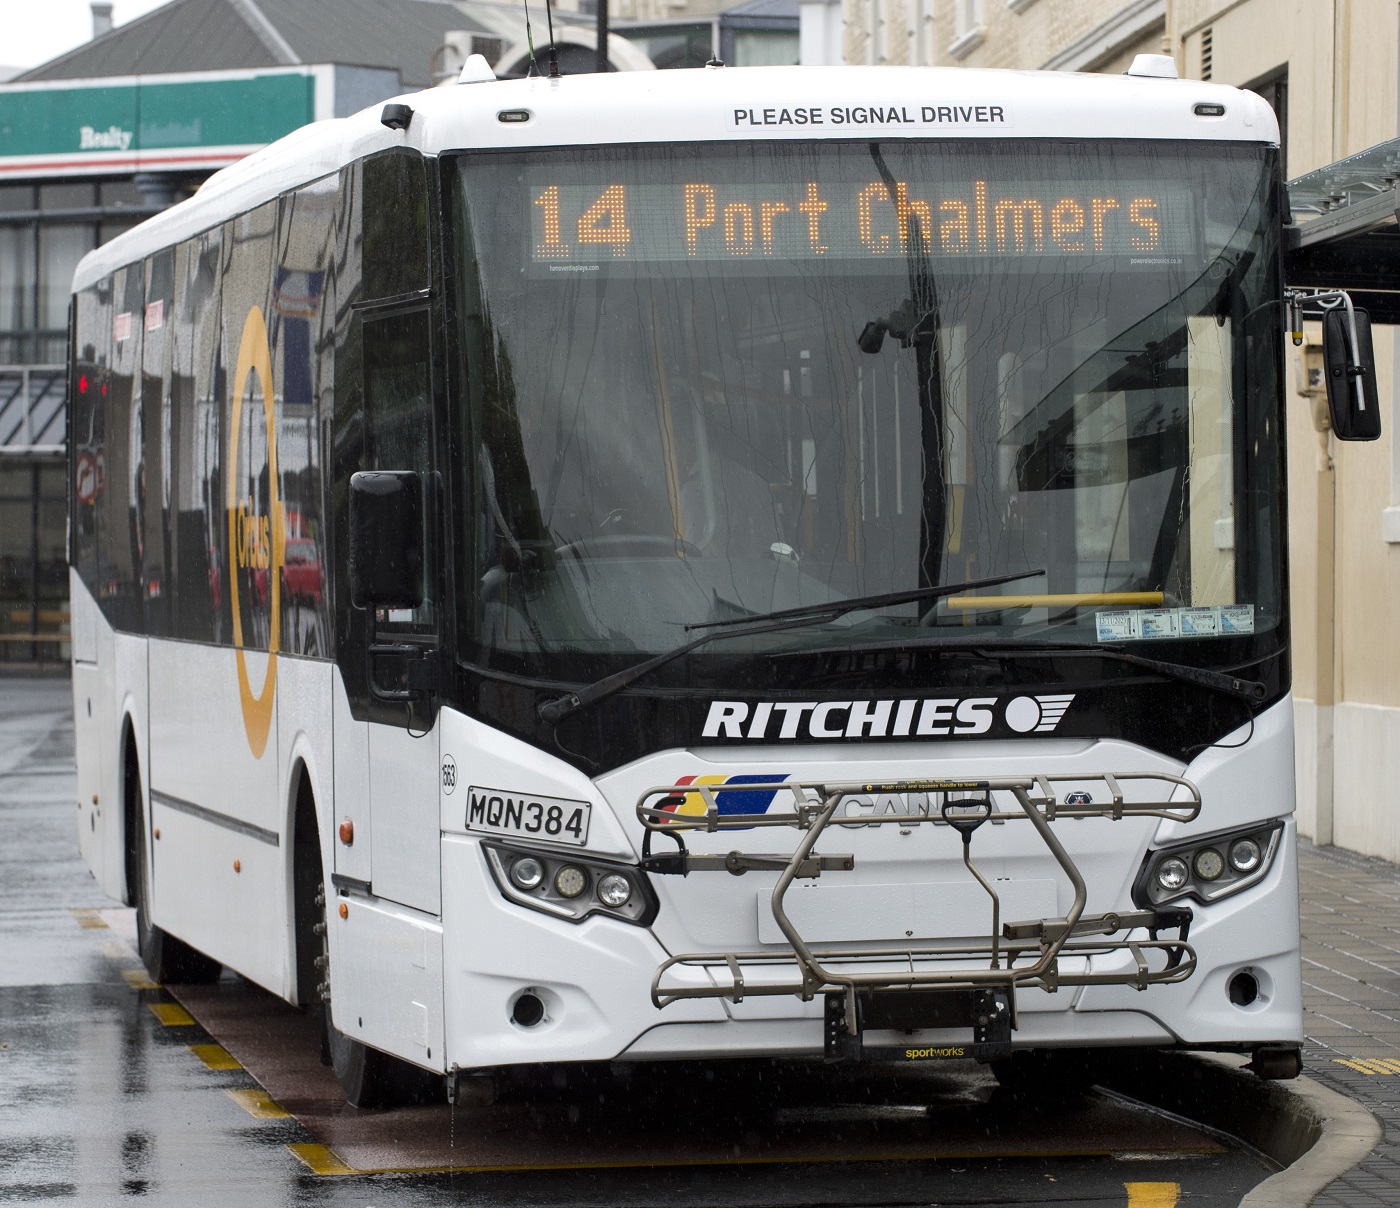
column 155, row 123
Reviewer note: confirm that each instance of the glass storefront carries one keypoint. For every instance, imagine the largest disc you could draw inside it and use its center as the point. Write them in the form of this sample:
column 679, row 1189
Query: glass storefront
column 33, row 562
column 46, row 227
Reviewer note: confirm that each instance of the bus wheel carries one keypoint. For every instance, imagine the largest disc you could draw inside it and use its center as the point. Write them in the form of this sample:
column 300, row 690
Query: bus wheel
column 368, row 1077
column 167, row 959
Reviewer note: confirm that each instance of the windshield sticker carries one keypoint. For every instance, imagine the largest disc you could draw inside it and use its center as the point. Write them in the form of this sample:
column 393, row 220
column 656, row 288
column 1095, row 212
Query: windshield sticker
column 1159, row 623
column 1130, row 625
column 926, row 718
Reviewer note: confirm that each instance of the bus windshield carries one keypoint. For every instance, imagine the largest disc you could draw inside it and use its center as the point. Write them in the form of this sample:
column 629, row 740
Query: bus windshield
column 703, row 382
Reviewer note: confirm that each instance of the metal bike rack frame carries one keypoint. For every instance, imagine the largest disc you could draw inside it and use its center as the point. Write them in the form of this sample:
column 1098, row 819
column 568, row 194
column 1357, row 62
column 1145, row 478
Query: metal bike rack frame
column 945, row 976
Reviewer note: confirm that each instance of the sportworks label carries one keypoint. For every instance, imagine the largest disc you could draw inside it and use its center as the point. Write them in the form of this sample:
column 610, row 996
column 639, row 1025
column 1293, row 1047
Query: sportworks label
column 941, row 1053
column 926, row 717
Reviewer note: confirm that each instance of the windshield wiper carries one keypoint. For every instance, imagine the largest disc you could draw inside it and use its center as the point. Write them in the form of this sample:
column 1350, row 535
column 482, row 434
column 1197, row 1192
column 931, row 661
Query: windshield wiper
column 554, row 711
column 1221, row 681
column 839, row 608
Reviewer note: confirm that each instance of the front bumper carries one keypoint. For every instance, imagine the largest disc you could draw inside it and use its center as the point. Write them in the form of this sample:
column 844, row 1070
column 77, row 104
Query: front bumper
column 612, row 991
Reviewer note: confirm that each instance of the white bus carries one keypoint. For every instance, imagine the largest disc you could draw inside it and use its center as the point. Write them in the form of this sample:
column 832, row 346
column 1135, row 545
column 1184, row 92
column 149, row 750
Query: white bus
column 782, row 561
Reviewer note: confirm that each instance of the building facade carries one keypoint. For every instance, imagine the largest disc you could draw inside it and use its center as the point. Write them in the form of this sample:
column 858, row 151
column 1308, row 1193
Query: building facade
column 1329, row 69
column 116, row 130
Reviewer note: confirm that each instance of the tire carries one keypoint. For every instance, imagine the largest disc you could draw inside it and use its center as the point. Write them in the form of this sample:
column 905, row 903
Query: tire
column 168, row 960
column 370, row 1078
column 367, row 1076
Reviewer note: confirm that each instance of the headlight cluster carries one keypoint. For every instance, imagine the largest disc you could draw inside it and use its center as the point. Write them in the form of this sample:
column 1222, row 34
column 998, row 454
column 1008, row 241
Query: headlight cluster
column 1209, row 868
column 570, row 887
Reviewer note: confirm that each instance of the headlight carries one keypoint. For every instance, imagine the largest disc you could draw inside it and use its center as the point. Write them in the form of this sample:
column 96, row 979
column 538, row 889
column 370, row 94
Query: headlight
column 1172, row 874
column 570, row 886
column 614, row 890
column 1208, row 863
column 570, row 881
column 1208, row 868
column 1245, row 855
column 526, row 872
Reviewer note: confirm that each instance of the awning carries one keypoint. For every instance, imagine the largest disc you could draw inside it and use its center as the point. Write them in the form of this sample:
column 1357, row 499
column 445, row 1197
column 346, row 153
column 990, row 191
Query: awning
column 1346, row 231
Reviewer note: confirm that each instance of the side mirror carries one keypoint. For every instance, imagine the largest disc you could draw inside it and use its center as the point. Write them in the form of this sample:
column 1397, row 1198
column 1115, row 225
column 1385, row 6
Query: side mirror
column 1350, row 371
column 386, row 539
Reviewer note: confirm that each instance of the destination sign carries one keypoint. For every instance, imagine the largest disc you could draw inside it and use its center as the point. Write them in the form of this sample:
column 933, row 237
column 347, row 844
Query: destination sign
column 1137, row 224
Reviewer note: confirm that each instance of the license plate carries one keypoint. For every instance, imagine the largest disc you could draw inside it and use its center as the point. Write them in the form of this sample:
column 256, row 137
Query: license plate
column 528, row 816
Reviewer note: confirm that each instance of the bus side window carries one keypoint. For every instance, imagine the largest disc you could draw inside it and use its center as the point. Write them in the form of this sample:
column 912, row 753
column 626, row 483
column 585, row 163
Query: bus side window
column 88, row 391
column 395, row 216
column 398, row 419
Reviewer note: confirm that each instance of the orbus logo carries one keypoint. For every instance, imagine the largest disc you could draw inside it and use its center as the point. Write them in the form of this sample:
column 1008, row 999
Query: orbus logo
column 932, row 717
column 257, row 534
column 755, row 802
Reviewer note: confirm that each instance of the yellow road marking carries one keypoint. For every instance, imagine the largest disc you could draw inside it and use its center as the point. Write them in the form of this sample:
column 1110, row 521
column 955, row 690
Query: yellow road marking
column 1153, row 1195
column 215, row 1056
column 137, row 979
column 259, row 1104
column 320, row 1159
column 1383, row 1066
column 89, row 920
column 917, row 1155
column 116, row 950
column 171, row 1014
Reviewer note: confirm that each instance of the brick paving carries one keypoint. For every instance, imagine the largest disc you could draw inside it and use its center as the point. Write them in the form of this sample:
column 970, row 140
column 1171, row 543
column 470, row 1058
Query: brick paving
column 1351, row 998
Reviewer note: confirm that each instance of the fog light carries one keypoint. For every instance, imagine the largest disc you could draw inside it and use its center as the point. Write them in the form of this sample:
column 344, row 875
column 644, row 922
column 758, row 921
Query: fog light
column 1208, row 863
column 528, row 1010
column 1245, row 855
column 1172, row 873
column 1244, row 988
column 527, row 873
column 570, row 881
column 614, row 890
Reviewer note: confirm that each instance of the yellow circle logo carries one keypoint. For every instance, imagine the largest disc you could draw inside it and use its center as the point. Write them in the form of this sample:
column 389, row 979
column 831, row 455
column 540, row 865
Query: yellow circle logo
column 256, row 544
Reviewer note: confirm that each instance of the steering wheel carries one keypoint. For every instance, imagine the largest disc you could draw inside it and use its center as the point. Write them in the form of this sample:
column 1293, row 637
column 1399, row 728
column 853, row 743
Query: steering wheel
column 677, row 547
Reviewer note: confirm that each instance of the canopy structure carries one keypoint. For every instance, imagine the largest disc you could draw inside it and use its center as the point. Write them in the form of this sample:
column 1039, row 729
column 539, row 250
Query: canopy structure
column 1346, row 230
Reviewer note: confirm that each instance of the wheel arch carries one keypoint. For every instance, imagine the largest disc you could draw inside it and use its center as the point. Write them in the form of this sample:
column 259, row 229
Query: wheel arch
column 306, row 858
column 133, row 812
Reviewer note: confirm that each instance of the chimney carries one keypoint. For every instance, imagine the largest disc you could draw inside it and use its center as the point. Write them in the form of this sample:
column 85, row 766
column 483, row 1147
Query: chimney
column 101, row 17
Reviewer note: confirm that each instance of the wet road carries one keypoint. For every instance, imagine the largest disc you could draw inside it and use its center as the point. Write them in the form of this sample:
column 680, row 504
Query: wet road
column 111, row 1088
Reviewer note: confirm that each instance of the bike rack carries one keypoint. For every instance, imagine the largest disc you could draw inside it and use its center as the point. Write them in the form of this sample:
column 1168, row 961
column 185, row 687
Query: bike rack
column 949, row 983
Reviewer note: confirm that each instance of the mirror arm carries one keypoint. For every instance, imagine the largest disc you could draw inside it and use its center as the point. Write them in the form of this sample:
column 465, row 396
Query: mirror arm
column 1330, row 299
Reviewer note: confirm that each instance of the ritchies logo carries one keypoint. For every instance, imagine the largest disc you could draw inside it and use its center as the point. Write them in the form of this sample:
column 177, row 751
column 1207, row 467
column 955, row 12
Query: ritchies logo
column 257, row 532
column 923, row 717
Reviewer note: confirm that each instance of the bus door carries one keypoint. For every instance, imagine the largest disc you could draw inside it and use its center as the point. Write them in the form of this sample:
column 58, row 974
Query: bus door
column 401, row 744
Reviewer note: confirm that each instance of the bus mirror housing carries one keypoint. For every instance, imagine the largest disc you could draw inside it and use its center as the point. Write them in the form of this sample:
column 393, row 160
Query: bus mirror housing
column 386, row 539
column 1349, row 368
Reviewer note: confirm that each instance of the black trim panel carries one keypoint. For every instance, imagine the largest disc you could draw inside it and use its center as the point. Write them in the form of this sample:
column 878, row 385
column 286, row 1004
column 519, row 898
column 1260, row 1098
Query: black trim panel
column 271, row 838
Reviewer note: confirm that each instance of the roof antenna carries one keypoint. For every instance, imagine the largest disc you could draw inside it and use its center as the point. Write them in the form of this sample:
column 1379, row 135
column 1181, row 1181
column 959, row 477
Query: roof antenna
column 531, row 70
column 553, row 54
